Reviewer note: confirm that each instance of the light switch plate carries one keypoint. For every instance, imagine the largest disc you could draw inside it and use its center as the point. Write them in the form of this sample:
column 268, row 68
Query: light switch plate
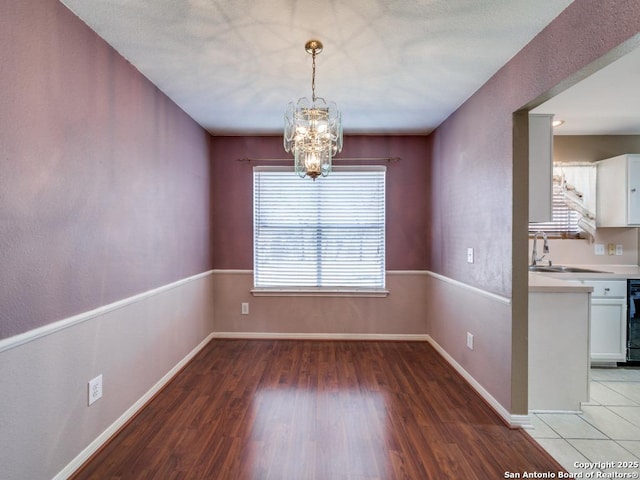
column 470, row 255
column 598, row 249
column 619, row 249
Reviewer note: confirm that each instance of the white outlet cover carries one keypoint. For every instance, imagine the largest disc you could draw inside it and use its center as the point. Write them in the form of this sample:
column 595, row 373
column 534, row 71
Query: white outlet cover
column 95, row 389
column 598, row 249
column 470, row 255
column 619, row 249
column 470, row 341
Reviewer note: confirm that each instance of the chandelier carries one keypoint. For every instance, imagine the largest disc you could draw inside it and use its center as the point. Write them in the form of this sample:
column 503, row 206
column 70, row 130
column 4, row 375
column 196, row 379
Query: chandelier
column 313, row 130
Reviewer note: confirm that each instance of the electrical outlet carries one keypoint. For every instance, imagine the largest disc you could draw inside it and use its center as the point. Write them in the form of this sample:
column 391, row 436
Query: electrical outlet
column 470, row 255
column 619, row 249
column 469, row 341
column 611, row 249
column 245, row 308
column 598, row 249
column 95, row 389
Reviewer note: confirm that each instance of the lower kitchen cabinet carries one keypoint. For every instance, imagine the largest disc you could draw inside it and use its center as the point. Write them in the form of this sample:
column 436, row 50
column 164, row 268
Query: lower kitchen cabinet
column 608, row 336
column 608, row 330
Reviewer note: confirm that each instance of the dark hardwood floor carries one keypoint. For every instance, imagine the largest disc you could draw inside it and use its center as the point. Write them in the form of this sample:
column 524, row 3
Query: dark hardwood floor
column 324, row 410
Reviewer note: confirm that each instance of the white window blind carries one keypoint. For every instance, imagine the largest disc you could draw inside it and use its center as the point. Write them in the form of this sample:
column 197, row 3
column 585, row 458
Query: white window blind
column 324, row 233
column 573, row 184
column 564, row 223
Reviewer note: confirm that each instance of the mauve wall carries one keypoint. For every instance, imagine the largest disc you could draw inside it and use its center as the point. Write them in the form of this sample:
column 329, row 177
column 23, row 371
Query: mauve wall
column 473, row 149
column 407, row 195
column 104, row 182
column 479, row 188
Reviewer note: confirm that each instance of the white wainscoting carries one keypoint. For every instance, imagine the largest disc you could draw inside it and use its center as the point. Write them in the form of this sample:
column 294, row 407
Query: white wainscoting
column 140, row 343
column 137, row 344
column 401, row 312
column 455, row 309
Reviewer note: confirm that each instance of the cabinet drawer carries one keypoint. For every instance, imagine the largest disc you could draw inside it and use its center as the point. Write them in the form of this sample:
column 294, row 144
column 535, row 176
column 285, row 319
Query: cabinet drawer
column 607, row 288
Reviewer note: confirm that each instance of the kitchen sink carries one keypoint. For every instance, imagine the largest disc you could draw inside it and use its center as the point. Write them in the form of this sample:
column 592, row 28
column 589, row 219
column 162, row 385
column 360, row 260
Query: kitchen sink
column 561, row 269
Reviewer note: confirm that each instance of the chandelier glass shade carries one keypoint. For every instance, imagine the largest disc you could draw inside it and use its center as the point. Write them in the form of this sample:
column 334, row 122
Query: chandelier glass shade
column 313, row 129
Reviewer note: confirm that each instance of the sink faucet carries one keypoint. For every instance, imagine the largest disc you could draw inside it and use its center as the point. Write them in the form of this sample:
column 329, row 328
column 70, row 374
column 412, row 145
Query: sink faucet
column 545, row 248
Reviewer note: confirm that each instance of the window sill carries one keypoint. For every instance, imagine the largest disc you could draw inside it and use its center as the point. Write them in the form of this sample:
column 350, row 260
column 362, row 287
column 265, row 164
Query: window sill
column 319, row 292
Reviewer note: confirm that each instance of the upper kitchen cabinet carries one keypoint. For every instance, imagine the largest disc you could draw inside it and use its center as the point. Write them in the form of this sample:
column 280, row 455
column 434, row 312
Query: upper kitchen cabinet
column 618, row 191
column 540, row 168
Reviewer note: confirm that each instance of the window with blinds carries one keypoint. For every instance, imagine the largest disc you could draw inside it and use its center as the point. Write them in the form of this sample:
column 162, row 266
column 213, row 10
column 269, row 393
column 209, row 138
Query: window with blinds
column 564, row 223
column 324, row 233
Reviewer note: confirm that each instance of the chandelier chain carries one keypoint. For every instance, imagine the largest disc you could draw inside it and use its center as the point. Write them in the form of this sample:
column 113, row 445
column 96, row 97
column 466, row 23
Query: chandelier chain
column 313, row 76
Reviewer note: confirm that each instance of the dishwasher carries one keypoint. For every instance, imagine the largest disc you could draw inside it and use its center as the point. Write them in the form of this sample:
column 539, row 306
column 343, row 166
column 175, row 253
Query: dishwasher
column 633, row 320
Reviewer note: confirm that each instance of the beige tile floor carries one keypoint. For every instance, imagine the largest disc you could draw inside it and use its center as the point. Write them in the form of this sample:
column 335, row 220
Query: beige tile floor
column 606, row 432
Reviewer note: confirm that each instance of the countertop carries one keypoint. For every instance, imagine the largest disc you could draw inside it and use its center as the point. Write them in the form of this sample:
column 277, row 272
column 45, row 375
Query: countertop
column 545, row 282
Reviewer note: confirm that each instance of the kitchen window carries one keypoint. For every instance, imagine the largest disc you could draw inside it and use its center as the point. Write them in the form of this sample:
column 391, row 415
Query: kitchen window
column 574, row 200
column 319, row 236
column 564, row 223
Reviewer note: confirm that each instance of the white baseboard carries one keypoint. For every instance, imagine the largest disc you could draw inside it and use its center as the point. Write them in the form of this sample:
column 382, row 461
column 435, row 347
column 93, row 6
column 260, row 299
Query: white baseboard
column 322, row 336
column 105, row 436
column 514, row 421
column 573, row 412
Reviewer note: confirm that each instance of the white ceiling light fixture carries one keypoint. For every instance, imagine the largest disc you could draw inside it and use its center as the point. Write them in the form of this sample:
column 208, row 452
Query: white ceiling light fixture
column 313, row 130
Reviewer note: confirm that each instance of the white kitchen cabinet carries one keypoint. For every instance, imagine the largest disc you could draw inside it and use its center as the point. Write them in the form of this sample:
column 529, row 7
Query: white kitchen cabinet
column 618, row 191
column 540, row 168
column 607, row 331
column 608, row 334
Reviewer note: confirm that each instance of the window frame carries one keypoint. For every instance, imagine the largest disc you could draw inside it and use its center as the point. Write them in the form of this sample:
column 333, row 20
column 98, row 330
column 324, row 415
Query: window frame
column 347, row 290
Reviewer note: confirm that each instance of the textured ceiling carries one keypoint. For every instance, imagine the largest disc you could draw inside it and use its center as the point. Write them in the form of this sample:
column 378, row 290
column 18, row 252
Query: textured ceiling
column 392, row 66
column 605, row 103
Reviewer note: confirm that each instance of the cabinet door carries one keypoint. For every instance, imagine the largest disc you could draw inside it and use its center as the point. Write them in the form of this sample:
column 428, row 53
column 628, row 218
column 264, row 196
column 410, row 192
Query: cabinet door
column 540, row 168
column 608, row 330
column 633, row 195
